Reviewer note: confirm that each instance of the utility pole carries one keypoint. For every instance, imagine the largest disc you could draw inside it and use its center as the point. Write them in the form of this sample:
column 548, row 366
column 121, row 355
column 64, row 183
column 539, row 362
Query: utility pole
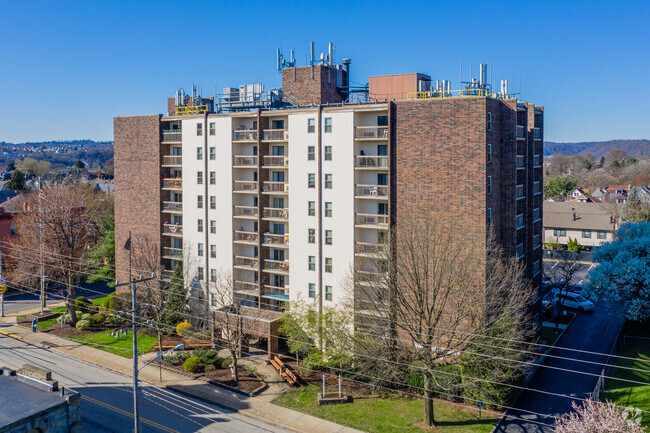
column 2, row 290
column 41, row 195
column 136, row 412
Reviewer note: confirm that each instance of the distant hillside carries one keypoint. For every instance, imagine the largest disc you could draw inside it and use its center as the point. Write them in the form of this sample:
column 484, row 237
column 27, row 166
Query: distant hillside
column 599, row 148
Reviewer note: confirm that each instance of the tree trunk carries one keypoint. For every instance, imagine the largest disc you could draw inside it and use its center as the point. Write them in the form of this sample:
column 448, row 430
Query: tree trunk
column 70, row 302
column 235, row 376
column 429, row 420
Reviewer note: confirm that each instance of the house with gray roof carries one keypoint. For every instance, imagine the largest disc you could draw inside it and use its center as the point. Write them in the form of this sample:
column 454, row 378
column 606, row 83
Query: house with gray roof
column 590, row 224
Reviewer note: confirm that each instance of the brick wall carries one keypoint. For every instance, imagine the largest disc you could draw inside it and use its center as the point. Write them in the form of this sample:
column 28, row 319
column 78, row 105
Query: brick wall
column 137, row 186
column 307, row 85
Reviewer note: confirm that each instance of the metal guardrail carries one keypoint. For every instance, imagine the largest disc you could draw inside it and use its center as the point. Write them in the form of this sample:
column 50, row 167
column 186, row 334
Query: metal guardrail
column 246, row 211
column 242, row 236
column 172, row 160
column 371, row 219
column 275, row 187
column 172, row 206
column 172, row 136
column 246, row 262
column 245, row 186
column 275, row 135
column 371, row 132
column 244, row 135
column 277, row 213
column 463, row 93
column 277, row 265
column 273, row 239
column 371, row 162
column 192, row 109
column 276, row 161
column 372, row 190
column 173, row 183
column 244, row 161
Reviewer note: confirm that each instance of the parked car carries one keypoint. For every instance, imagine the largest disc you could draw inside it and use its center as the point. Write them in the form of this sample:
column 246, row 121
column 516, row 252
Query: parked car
column 573, row 300
column 573, row 288
column 547, row 310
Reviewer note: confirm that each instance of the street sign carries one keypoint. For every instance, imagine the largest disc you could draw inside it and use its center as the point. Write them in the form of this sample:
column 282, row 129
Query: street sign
column 1, row 296
column 3, row 288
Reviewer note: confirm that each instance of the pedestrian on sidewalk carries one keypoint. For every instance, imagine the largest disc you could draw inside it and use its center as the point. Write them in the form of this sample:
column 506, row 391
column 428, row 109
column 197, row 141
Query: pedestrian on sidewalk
column 34, row 325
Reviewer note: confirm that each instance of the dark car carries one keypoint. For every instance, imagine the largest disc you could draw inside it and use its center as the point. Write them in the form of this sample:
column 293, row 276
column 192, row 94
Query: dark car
column 547, row 310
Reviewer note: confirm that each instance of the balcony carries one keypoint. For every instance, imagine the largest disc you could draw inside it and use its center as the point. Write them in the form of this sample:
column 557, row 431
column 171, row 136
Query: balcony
column 369, row 249
column 244, row 161
column 244, row 135
column 173, row 136
column 537, row 188
column 537, row 133
column 172, row 161
column 537, row 214
column 276, row 266
column 372, row 191
column 247, row 238
column 245, row 186
column 276, row 214
column 521, row 193
column 275, row 292
column 246, row 212
column 520, row 221
column 247, row 263
column 175, row 184
column 175, row 230
column 275, row 135
column 275, row 187
column 536, row 269
column 370, row 278
column 371, row 132
column 371, row 162
column 520, row 162
column 172, row 207
column 537, row 241
column 521, row 132
column 276, row 161
column 520, row 251
column 276, row 241
column 173, row 253
column 246, row 287
column 372, row 220
column 537, row 160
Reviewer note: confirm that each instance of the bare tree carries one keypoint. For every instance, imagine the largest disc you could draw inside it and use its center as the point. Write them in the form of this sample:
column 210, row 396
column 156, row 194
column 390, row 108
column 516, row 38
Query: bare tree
column 559, row 272
column 596, row 417
column 58, row 231
column 433, row 294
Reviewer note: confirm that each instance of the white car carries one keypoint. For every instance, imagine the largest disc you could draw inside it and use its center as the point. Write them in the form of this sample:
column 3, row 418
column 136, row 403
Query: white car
column 573, row 300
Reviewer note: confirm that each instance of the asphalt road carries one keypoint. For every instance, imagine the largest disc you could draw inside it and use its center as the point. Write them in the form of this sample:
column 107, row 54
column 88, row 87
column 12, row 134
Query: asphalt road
column 107, row 397
column 16, row 301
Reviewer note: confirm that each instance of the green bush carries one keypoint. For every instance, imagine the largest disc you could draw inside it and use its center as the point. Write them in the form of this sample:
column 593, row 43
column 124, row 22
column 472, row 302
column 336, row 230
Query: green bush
column 83, row 325
column 250, row 369
column 226, row 363
column 99, row 317
column 86, row 316
column 107, row 300
column 314, row 361
column 339, row 362
column 192, row 364
column 209, row 357
column 83, row 304
column 177, row 358
column 199, row 352
column 119, row 302
column 210, row 367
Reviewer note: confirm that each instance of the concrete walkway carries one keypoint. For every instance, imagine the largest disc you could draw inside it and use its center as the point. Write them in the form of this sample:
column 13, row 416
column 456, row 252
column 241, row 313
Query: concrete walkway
column 259, row 407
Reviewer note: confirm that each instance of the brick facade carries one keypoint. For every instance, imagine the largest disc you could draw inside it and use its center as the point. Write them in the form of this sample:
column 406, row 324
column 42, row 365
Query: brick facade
column 137, row 186
column 306, row 85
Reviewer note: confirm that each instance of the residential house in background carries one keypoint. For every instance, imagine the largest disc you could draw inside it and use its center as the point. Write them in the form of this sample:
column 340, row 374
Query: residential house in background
column 589, row 223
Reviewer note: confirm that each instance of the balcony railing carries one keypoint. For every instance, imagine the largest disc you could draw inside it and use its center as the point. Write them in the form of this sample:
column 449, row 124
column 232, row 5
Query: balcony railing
column 520, row 221
column 173, row 229
column 276, row 213
column 276, row 265
column 537, row 160
column 273, row 239
column 246, row 286
column 537, row 214
column 275, row 135
column 172, row 206
column 172, row 160
column 371, row 162
column 372, row 191
column 249, row 237
column 244, row 135
column 246, row 262
column 520, row 162
column 173, row 252
column 244, row 161
column 369, row 248
column 371, row 132
column 520, row 250
column 521, row 132
column 173, row 183
column 246, row 211
column 371, row 219
column 275, row 187
column 175, row 136
column 537, row 133
column 245, row 186
column 520, row 191
column 275, row 290
column 537, row 188
column 276, row 161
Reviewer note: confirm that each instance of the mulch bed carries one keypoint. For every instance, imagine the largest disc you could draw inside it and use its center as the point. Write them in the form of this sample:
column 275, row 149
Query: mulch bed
column 247, row 382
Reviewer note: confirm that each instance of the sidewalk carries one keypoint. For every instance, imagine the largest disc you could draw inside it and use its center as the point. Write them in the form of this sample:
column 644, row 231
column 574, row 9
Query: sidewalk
column 259, row 407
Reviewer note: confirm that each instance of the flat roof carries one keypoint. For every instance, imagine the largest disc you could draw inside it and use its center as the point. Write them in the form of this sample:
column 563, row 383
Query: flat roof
column 19, row 400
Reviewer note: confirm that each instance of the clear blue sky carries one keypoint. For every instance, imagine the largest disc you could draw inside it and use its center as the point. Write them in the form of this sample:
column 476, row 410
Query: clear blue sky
column 68, row 67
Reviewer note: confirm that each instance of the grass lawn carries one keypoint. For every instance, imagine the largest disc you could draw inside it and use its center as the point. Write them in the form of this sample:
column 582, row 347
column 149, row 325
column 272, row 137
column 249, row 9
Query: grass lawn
column 387, row 414
column 550, row 335
column 628, row 394
column 104, row 341
column 98, row 301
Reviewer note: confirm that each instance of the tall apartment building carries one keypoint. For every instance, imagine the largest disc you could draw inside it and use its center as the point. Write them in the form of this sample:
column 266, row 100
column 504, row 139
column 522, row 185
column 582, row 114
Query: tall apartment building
column 285, row 200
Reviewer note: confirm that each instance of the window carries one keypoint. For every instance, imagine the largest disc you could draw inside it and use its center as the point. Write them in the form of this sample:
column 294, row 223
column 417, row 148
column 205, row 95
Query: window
column 328, row 124
column 382, row 120
column 312, row 290
column 199, row 177
column 199, row 225
column 600, row 235
column 311, row 208
column 12, row 228
column 559, row 232
column 328, row 209
column 199, row 129
column 213, row 202
column 311, row 180
column 311, row 153
column 213, row 251
column 213, row 297
column 212, row 128
column 489, row 152
column 200, row 272
column 199, row 201
column 489, row 216
column 328, row 237
column 200, row 249
column 586, row 234
column 213, row 154
column 488, row 185
column 213, row 227
column 311, row 126
column 328, row 181
column 213, row 178
column 199, row 154
column 489, row 121
column 311, row 236
column 328, row 153
column 328, row 293
column 328, row 264
column 311, row 263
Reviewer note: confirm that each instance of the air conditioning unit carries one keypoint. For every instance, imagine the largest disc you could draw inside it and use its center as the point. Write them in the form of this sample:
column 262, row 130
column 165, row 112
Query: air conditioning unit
column 286, row 187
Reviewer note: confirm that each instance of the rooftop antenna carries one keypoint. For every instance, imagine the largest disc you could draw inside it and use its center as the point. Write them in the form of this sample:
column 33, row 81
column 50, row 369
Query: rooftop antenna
column 330, row 55
column 461, row 74
column 293, row 60
column 279, row 59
